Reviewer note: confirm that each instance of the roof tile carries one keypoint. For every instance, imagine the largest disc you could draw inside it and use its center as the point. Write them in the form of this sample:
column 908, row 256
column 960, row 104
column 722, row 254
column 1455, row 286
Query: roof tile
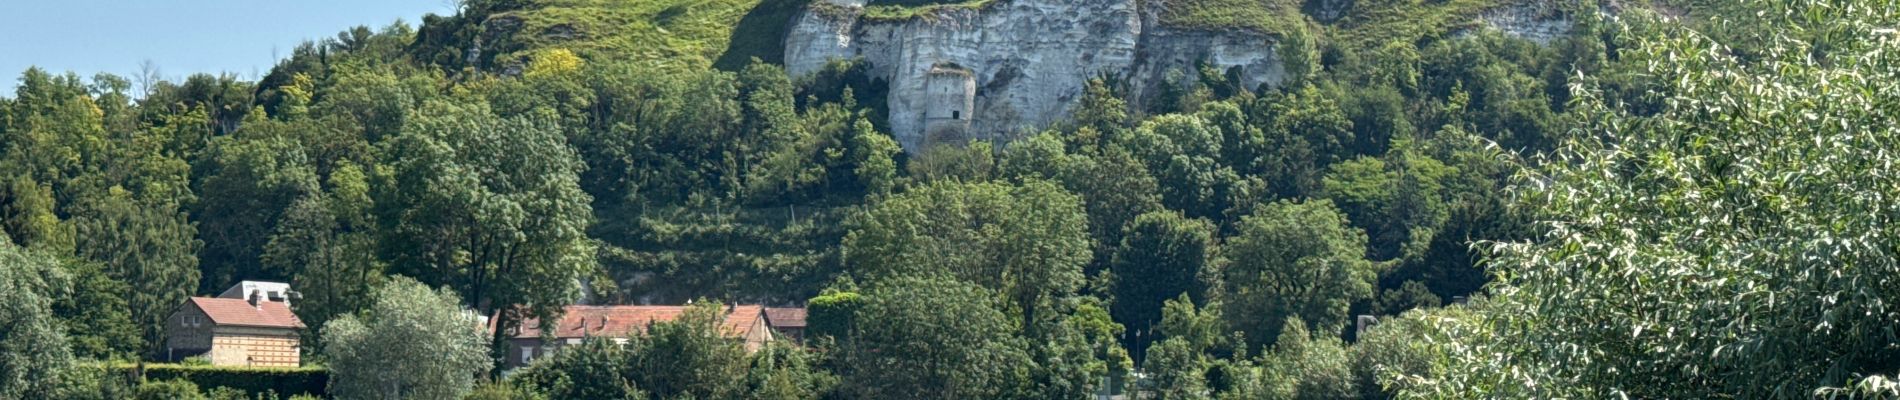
column 622, row 321
column 786, row 317
column 236, row 312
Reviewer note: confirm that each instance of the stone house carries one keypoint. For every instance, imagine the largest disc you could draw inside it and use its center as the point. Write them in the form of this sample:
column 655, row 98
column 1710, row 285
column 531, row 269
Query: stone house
column 251, row 332
column 746, row 323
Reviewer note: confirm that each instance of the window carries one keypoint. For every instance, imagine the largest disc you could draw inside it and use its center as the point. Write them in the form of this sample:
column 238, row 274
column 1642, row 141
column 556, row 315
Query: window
column 527, row 355
column 957, row 115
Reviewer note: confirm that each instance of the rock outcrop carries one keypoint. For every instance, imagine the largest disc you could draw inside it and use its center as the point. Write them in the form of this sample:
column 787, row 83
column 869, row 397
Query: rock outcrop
column 1541, row 22
column 1025, row 62
column 1012, row 67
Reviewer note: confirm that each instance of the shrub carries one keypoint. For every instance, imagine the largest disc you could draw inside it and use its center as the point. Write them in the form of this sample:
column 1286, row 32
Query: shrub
column 509, row 391
column 250, row 381
column 169, row 390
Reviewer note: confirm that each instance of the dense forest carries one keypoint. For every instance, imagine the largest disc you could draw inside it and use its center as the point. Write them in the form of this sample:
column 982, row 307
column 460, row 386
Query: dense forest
column 1687, row 199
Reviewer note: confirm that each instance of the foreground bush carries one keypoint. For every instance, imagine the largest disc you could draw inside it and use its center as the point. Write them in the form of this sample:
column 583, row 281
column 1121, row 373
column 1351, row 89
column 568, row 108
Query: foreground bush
column 414, row 343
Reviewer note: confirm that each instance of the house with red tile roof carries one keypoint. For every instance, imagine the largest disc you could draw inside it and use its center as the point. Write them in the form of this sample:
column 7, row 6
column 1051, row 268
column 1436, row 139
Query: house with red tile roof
column 746, row 323
column 252, row 332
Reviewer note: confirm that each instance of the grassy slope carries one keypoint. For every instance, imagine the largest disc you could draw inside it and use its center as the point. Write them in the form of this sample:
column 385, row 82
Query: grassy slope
column 906, row 9
column 729, row 33
column 1372, row 23
column 666, row 33
column 1269, row 16
column 1368, row 24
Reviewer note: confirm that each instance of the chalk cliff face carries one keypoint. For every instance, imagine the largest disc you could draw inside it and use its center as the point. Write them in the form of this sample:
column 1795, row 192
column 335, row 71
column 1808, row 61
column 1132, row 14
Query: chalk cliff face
column 1013, row 67
column 1027, row 60
column 1540, row 22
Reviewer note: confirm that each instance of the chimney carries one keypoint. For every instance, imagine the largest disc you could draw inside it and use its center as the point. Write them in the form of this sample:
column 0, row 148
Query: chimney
column 257, row 298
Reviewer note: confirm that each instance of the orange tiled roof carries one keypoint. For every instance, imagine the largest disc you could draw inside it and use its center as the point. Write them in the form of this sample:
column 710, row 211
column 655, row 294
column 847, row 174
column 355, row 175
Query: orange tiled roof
column 236, row 312
column 622, row 321
column 784, row 317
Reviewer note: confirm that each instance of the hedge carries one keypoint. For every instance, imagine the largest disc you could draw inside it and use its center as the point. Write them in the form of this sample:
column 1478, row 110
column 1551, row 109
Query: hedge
column 285, row 382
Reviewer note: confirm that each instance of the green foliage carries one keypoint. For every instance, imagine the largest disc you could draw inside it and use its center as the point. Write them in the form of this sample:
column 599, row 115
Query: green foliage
column 1026, row 243
column 1178, row 370
column 254, row 183
column 1162, row 256
column 97, row 321
column 830, row 315
column 169, row 390
column 95, row 381
column 597, row 369
column 899, row 10
column 965, row 162
column 1373, row 22
column 782, row 371
column 934, row 338
column 689, row 356
column 507, row 391
column 668, row 34
column 1398, row 346
column 250, row 381
column 1306, row 130
column 1265, row 16
column 1294, row 260
column 1730, row 243
column 491, row 207
column 1178, row 365
column 1306, row 366
column 33, row 352
column 334, row 269
column 424, row 333
column 152, row 248
column 1183, row 152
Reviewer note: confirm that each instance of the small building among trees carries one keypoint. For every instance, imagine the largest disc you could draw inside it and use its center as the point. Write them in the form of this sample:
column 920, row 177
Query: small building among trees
column 788, row 321
column 256, row 331
column 746, row 323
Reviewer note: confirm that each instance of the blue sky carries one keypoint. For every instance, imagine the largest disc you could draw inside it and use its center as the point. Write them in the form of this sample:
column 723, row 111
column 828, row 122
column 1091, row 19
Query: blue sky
column 181, row 37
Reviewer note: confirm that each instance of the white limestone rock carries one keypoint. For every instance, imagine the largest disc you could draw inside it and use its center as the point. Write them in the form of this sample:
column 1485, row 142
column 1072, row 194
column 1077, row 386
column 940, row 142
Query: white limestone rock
column 1027, row 60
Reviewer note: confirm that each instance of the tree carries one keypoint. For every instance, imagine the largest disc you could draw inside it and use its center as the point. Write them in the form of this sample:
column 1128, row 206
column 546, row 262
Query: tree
column 1074, row 349
column 28, row 216
column 1114, row 185
column 1294, row 259
column 491, row 207
column 438, row 347
column 252, row 184
column 782, row 371
column 150, row 247
column 597, row 369
column 98, row 323
column 33, row 353
column 1179, row 371
column 1398, row 346
column 1027, row 243
column 690, row 357
column 335, row 270
column 1183, row 153
column 934, row 339
column 1307, row 366
column 1308, row 131
column 1733, row 243
column 1179, row 363
column 1162, row 255
column 1398, row 200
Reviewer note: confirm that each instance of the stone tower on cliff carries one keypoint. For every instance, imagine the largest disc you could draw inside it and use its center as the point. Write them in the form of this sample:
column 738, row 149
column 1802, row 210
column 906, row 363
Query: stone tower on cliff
column 949, row 103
